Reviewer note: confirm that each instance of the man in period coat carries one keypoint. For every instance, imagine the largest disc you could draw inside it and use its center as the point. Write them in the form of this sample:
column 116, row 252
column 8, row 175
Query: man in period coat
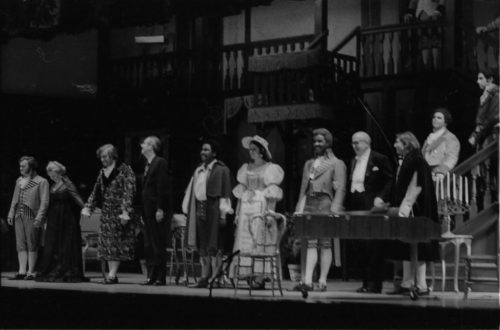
column 28, row 209
column 155, row 211
column 206, row 203
column 370, row 182
column 322, row 190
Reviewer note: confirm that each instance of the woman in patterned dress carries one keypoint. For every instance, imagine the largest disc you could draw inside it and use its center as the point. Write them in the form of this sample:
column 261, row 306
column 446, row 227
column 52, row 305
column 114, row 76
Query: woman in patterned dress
column 113, row 193
column 257, row 192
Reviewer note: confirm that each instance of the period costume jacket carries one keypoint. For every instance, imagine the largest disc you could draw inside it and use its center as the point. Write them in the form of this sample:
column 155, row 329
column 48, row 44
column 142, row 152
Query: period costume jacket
column 218, row 193
column 329, row 177
column 442, row 153
column 487, row 116
column 35, row 195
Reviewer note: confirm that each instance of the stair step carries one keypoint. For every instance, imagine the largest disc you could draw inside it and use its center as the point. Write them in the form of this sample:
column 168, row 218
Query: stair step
column 484, row 265
column 483, row 279
column 484, row 257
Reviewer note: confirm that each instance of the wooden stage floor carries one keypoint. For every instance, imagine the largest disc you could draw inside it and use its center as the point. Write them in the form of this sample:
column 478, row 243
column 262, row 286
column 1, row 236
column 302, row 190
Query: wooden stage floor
column 182, row 307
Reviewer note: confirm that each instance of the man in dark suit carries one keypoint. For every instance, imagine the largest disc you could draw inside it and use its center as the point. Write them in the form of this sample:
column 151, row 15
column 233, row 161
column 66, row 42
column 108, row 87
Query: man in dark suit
column 369, row 186
column 155, row 209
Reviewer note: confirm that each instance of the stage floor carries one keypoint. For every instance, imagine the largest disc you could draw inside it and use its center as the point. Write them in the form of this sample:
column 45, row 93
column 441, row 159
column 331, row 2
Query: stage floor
column 338, row 291
column 27, row 304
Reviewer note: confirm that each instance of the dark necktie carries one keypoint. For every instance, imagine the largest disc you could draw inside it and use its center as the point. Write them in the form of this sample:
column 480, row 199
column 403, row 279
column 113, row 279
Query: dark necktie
column 146, row 169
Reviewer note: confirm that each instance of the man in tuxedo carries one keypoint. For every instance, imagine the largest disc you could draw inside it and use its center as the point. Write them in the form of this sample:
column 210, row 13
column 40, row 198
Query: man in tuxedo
column 155, row 209
column 369, row 186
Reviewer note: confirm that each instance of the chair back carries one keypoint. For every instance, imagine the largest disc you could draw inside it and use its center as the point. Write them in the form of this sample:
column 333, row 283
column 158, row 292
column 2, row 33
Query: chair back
column 266, row 230
column 91, row 224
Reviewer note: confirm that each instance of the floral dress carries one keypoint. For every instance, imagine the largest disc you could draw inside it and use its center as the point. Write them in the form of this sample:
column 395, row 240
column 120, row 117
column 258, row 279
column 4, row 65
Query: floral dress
column 113, row 194
column 257, row 191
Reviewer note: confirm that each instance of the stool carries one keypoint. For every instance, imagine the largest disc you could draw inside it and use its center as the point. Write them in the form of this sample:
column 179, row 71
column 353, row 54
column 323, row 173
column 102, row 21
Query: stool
column 456, row 241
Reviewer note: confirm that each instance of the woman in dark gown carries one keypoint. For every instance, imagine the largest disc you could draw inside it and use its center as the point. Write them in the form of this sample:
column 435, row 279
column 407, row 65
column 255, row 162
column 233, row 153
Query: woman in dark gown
column 62, row 254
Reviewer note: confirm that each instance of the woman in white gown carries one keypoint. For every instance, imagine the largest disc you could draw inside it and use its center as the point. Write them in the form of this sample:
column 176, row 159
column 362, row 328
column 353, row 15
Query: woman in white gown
column 257, row 192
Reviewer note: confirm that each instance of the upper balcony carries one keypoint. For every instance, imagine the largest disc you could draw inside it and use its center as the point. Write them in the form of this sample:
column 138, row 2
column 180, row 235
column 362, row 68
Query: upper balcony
column 270, row 70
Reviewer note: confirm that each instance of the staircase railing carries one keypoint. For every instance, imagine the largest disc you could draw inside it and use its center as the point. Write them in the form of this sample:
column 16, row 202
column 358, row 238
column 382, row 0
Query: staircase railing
column 478, row 166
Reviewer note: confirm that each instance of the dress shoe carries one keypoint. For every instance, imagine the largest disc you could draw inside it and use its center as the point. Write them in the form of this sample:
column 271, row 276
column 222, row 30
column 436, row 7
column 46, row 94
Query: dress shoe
column 202, row 283
column 110, row 280
column 148, row 282
column 368, row 290
column 160, row 283
column 29, row 277
column 18, row 276
column 423, row 292
column 322, row 287
column 303, row 287
column 400, row 290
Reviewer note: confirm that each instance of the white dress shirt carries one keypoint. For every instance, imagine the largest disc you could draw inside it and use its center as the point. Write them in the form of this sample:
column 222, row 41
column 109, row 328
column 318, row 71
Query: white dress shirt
column 358, row 175
column 200, row 183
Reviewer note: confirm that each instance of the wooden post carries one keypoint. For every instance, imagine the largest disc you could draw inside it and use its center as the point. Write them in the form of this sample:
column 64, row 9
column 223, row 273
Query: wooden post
column 321, row 20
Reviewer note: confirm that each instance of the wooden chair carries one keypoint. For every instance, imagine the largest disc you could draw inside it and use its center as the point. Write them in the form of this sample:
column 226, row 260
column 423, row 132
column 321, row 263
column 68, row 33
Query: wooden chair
column 174, row 265
column 90, row 239
column 266, row 250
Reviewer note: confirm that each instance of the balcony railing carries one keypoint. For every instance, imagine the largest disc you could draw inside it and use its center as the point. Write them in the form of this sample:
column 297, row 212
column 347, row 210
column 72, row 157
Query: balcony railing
column 410, row 48
column 396, row 49
column 235, row 75
column 135, row 71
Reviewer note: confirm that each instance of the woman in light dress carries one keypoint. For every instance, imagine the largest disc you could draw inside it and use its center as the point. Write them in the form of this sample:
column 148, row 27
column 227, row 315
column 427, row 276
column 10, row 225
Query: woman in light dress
column 257, row 192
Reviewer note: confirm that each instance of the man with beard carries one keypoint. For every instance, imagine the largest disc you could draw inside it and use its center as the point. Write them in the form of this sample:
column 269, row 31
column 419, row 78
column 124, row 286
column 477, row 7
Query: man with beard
column 206, row 203
column 322, row 191
column 28, row 209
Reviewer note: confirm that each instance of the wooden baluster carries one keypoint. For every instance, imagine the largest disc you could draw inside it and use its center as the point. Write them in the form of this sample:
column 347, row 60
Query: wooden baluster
column 487, row 183
column 288, row 87
column 240, row 69
column 473, row 198
column 381, row 60
column 371, row 47
column 419, row 55
column 298, row 85
column 280, row 88
column 272, row 87
column 390, row 61
column 440, row 59
column 362, row 59
column 398, row 46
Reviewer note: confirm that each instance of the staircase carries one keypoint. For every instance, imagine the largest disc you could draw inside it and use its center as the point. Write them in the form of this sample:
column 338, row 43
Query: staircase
column 483, row 266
